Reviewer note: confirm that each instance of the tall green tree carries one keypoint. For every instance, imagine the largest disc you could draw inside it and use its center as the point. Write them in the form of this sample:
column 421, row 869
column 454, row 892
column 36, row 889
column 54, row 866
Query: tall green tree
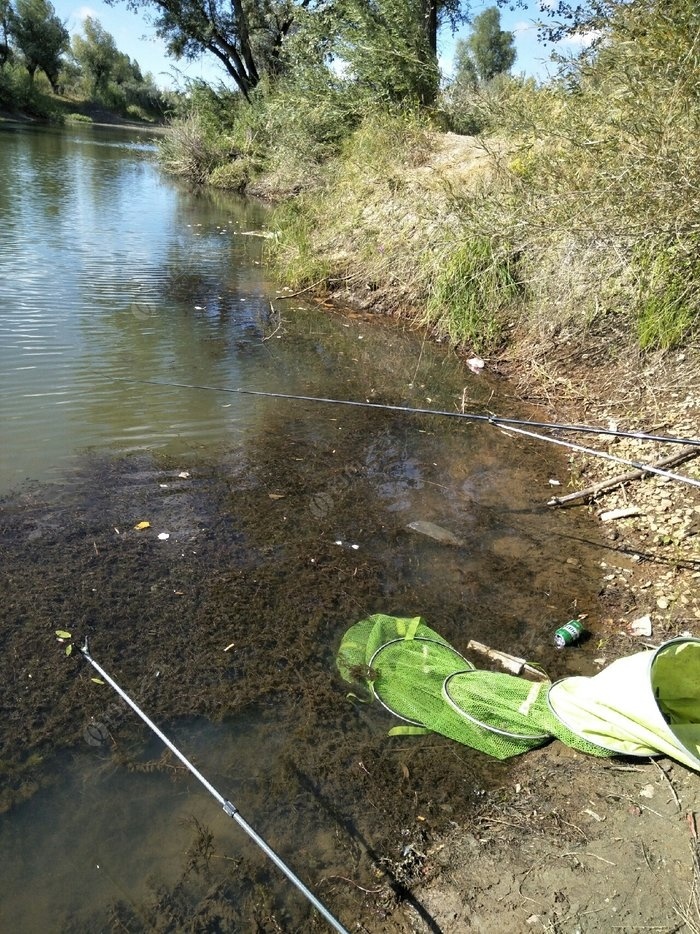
column 489, row 51
column 97, row 55
column 40, row 36
column 5, row 50
column 386, row 50
column 248, row 36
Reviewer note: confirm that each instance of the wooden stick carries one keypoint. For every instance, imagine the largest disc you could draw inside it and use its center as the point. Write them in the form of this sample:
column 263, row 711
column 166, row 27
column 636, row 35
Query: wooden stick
column 684, row 454
column 511, row 662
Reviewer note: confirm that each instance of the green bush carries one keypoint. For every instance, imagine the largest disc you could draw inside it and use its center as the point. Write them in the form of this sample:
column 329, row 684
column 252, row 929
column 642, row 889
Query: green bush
column 668, row 295
column 192, row 150
column 473, row 287
column 232, row 176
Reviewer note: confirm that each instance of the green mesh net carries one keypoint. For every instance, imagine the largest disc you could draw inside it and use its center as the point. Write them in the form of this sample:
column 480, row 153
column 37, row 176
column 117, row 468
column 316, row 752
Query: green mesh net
column 421, row 679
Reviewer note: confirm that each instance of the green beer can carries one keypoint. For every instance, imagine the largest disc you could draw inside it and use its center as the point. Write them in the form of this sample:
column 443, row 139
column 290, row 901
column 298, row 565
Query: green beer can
column 568, row 634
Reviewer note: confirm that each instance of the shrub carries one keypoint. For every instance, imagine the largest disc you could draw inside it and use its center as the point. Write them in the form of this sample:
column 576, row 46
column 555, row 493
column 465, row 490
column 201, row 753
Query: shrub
column 472, row 288
column 233, row 176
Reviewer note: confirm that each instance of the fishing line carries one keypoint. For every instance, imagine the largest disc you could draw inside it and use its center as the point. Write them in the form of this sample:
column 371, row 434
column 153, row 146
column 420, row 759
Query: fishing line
column 647, row 468
column 229, row 809
column 408, row 410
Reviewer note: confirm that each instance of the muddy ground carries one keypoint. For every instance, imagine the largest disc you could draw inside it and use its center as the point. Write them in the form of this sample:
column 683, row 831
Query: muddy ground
column 417, row 836
column 571, row 843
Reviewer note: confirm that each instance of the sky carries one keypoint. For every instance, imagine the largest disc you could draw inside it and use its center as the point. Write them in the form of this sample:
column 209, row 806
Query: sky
column 133, row 35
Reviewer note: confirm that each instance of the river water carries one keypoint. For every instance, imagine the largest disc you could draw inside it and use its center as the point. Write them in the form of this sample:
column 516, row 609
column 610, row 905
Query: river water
column 281, row 523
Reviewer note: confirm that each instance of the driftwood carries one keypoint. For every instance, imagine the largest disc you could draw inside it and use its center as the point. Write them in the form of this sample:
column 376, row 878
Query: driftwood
column 510, row 662
column 684, row 454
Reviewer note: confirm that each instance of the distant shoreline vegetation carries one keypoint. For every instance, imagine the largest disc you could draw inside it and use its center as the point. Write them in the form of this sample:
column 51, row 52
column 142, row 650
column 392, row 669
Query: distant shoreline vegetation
column 47, row 75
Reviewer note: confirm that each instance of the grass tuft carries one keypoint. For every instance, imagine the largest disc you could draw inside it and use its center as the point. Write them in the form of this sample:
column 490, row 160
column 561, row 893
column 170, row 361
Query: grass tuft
column 472, row 289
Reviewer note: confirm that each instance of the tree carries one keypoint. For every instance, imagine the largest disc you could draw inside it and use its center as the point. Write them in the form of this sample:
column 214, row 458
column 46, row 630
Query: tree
column 96, row 53
column 40, row 36
column 489, row 50
column 465, row 74
column 244, row 35
column 386, row 49
column 5, row 51
column 248, row 36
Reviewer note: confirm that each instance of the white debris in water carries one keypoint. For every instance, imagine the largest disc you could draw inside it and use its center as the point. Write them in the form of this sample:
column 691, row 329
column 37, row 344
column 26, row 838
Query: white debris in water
column 164, row 536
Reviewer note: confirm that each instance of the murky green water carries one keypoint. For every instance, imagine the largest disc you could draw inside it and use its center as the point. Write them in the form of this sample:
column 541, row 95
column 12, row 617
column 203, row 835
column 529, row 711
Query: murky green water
column 287, row 522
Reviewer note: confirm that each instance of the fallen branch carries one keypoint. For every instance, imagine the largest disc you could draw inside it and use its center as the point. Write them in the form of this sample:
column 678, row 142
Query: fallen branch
column 314, row 285
column 684, row 454
column 510, row 662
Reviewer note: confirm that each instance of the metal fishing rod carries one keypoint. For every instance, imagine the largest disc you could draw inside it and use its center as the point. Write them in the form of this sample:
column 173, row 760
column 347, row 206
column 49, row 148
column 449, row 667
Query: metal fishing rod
column 230, row 809
column 409, row 410
column 647, row 468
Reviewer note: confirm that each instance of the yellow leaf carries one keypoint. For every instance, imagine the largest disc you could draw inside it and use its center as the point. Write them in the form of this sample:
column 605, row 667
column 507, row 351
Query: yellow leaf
column 69, row 649
column 97, row 680
column 142, row 525
column 62, row 634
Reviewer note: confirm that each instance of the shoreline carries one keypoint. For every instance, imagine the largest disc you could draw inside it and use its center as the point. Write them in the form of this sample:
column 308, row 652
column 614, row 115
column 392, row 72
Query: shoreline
column 572, row 843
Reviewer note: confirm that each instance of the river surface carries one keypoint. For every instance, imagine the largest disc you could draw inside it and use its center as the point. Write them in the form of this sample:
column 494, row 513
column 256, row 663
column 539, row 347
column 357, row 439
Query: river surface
column 281, row 524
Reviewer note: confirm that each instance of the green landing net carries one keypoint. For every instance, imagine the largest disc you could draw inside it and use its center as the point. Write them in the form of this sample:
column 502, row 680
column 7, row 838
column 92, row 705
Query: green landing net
column 421, row 679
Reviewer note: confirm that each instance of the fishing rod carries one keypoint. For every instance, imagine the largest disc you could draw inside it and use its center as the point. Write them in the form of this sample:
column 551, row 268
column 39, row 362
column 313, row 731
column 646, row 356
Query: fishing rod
column 505, row 424
column 409, row 410
column 229, row 809
column 647, row 468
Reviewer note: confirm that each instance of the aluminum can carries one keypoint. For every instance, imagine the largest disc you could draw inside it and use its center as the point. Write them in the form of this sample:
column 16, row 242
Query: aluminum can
column 568, row 634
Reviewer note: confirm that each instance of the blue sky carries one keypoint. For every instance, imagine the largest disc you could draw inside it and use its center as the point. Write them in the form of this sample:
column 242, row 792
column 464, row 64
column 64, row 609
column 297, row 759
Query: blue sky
column 137, row 38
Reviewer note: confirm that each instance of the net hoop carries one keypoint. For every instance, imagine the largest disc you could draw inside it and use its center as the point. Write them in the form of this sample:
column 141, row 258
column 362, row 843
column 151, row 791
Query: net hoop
column 524, row 737
column 445, row 649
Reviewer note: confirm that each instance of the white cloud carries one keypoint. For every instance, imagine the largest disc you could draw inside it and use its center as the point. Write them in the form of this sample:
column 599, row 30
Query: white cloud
column 83, row 13
column 581, row 39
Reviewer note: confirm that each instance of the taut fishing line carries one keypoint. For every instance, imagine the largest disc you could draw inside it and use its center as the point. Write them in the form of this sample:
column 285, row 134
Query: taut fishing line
column 507, row 424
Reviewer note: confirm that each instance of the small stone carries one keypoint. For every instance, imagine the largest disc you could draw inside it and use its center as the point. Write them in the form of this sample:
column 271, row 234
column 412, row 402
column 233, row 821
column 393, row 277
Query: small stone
column 611, row 514
column 663, row 603
column 641, row 626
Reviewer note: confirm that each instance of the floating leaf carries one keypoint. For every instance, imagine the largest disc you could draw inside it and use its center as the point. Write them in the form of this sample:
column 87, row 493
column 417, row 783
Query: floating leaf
column 62, row 634
column 97, row 680
column 69, row 648
column 142, row 525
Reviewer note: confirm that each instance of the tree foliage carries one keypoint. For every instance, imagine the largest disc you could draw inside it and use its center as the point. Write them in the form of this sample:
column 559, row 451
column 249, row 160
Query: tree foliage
column 249, row 36
column 4, row 31
column 96, row 53
column 40, row 36
column 246, row 36
column 386, row 50
column 489, row 50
